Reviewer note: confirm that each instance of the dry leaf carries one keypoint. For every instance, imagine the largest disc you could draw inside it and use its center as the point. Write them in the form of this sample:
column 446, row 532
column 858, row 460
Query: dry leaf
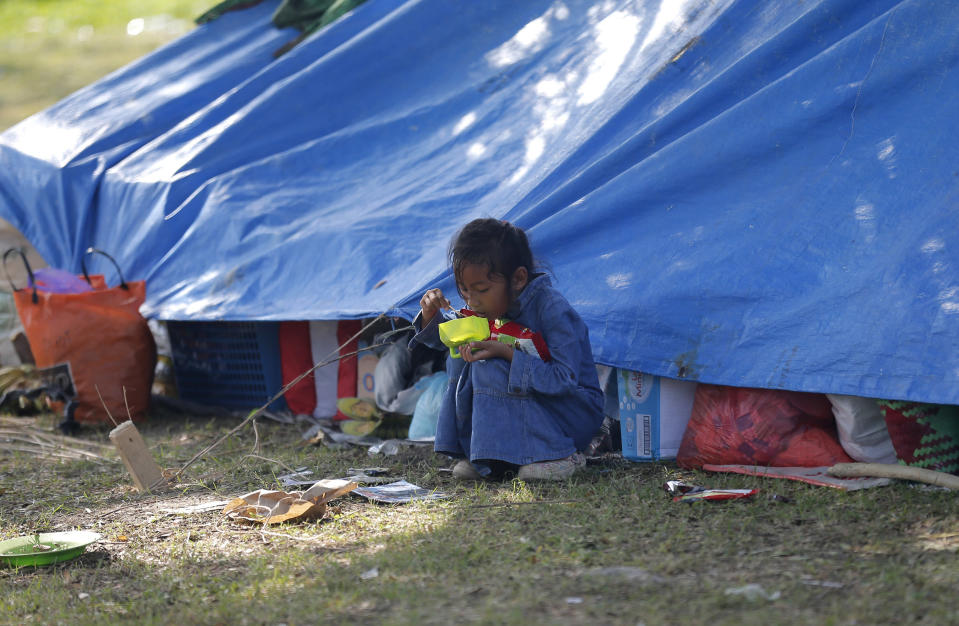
column 275, row 507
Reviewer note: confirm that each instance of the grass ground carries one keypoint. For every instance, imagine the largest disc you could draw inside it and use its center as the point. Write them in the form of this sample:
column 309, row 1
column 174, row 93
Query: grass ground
column 607, row 546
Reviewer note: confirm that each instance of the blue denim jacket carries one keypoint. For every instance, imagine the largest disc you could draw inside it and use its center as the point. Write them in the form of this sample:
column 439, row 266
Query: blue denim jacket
column 524, row 411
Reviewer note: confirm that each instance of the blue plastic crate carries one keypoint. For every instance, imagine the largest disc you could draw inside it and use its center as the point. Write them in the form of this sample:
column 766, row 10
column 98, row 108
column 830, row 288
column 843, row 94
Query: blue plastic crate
column 229, row 364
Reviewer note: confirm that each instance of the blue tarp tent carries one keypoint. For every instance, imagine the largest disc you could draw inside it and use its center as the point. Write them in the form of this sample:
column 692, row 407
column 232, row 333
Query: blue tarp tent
column 752, row 194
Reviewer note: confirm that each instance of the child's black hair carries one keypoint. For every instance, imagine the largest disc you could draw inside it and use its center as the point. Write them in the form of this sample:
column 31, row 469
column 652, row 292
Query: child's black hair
column 497, row 244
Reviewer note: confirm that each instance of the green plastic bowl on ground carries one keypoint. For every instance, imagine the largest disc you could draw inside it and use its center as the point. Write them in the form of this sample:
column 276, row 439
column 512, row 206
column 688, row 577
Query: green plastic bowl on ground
column 456, row 332
column 23, row 551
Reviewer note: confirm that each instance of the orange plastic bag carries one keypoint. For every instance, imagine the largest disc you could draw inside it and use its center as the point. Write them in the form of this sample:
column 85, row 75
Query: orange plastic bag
column 769, row 427
column 103, row 338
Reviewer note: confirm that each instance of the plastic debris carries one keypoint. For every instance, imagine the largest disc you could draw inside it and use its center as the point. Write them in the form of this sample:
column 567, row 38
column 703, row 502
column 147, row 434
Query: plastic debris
column 753, row 592
column 327, row 435
column 392, row 447
column 398, row 493
column 683, row 492
column 678, row 487
column 45, row 548
column 369, row 471
column 716, row 494
column 781, row 498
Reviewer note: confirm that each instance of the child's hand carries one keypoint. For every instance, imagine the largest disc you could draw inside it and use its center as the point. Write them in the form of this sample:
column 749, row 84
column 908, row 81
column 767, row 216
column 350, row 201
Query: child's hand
column 482, row 350
column 431, row 302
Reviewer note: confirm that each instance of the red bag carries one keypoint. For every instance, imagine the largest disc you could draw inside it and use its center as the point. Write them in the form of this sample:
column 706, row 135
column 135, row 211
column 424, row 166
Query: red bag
column 773, row 428
column 102, row 337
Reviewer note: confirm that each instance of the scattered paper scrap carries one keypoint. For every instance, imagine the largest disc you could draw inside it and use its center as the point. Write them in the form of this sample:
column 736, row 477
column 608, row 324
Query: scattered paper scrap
column 298, row 477
column 370, row 475
column 369, row 471
column 274, row 507
column 365, row 479
column 398, row 492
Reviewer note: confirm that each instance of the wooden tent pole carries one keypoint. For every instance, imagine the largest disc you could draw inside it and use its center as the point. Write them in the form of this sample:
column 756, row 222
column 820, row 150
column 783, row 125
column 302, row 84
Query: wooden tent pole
column 902, row 472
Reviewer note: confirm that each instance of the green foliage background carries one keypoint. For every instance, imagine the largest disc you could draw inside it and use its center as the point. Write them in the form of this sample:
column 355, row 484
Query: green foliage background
column 51, row 48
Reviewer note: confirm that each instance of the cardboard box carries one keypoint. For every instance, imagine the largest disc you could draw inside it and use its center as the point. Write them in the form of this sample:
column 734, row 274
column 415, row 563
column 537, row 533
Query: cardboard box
column 365, row 378
column 653, row 413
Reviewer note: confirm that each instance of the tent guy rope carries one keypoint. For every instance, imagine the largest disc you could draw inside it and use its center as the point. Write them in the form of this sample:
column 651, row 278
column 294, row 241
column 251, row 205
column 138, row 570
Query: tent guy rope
column 332, row 357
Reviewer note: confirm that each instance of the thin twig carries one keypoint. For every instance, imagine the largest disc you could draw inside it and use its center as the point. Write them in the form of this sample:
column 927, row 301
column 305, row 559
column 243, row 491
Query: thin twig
column 119, row 508
column 499, row 504
column 257, row 456
column 253, row 415
column 105, row 406
column 125, row 403
column 285, row 536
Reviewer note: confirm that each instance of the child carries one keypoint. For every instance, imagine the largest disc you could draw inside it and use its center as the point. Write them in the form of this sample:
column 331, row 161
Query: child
column 503, row 407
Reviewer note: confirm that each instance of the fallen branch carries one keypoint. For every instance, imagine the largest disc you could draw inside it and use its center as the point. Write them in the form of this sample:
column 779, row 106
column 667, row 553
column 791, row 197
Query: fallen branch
column 902, row 472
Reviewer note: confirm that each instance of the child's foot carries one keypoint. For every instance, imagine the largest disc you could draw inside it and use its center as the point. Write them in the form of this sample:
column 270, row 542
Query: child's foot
column 464, row 470
column 560, row 469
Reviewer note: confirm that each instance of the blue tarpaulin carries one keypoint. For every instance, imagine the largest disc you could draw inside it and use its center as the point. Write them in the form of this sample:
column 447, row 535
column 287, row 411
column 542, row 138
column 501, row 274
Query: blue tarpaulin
column 751, row 194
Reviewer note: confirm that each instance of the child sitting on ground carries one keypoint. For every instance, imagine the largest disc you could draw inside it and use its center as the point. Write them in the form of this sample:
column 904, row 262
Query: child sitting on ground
column 505, row 408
